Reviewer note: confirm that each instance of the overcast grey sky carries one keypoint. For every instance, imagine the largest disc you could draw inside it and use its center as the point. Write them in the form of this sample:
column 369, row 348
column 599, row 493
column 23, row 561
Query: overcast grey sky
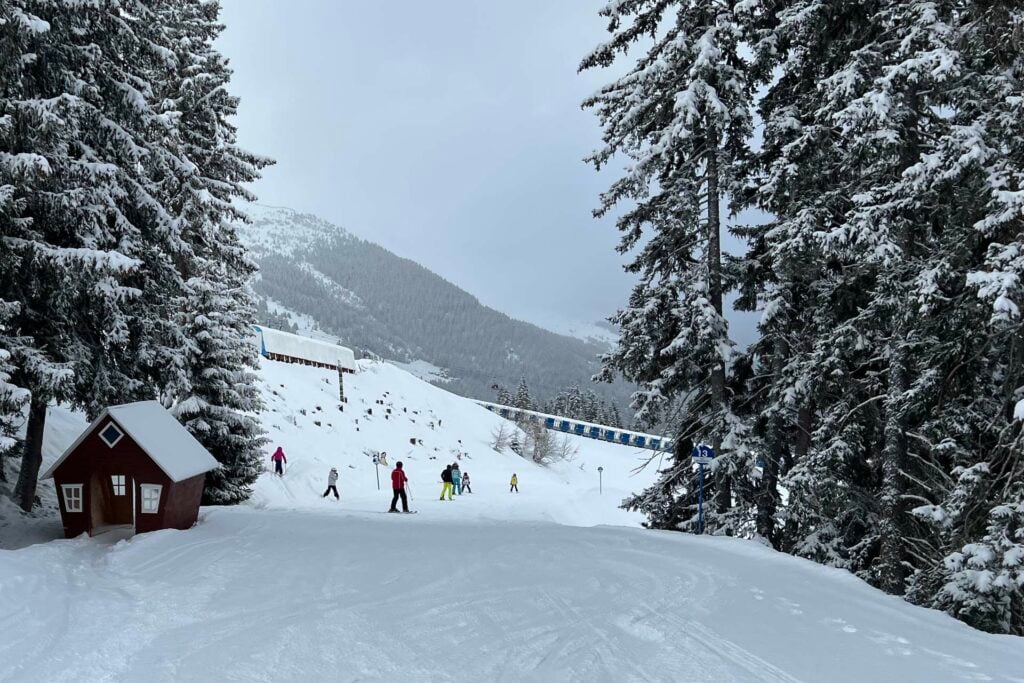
column 449, row 132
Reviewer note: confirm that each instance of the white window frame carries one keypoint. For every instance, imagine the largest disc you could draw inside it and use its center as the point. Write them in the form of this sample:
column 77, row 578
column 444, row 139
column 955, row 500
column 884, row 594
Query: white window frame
column 144, row 499
column 73, row 502
column 119, row 483
column 120, row 434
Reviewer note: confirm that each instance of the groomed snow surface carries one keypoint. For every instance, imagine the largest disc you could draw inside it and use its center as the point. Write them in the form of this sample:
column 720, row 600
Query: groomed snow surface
column 491, row 586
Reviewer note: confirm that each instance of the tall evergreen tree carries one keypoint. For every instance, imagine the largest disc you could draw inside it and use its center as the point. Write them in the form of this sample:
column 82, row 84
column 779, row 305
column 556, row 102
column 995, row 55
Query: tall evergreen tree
column 221, row 407
column 121, row 166
column 72, row 155
column 682, row 115
column 216, row 396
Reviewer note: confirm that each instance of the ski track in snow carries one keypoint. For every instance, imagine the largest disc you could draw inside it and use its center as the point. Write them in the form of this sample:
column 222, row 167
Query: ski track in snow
column 493, row 586
column 294, row 595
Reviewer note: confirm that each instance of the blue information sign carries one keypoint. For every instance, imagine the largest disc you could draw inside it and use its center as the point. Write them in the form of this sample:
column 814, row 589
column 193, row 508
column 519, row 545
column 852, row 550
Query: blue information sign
column 701, row 454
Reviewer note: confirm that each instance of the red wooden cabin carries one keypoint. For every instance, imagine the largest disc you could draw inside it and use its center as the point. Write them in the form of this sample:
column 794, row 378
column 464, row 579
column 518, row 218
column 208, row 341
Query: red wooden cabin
column 136, row 468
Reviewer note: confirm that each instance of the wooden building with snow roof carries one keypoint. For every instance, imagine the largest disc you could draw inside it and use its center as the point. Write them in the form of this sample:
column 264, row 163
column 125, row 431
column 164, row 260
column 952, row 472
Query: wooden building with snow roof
column 291, row 348
column 135, row 469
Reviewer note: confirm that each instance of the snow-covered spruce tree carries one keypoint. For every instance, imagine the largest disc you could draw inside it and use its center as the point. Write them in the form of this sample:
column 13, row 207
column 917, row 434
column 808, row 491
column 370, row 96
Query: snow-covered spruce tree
column 67, row 219
column 615, row 417
column 914, row 224
column 217, row 398
column 682, row 116
column 522, row 399
column 104, row 234
column 975, row 170
column 809, row 352
column 891, row 165
column 223, row 401
column 985, row 577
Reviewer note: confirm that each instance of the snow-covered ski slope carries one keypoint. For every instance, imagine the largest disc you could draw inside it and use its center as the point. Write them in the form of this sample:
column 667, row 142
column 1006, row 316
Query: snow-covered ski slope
column 493, row 586
column 258, row 595
column 302, row 416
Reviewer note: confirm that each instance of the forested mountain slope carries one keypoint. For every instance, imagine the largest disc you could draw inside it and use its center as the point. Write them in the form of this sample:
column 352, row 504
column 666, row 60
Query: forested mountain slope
column 376, row 301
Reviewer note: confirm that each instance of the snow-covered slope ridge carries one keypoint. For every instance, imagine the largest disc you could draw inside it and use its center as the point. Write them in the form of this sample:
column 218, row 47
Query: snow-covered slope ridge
column 427, row 427
column 277, row 230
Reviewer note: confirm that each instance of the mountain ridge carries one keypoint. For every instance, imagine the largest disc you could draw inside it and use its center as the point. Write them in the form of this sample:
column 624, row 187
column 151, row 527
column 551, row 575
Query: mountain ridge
column 389, row 305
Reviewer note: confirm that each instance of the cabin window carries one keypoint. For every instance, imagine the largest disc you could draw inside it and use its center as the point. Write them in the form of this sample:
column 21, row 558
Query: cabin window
column 150, row 497
column 111, row 434
column 117, row 481
column 72, row 497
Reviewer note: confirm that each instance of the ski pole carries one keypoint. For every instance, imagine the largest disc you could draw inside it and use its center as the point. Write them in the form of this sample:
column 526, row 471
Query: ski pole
column 409, row 488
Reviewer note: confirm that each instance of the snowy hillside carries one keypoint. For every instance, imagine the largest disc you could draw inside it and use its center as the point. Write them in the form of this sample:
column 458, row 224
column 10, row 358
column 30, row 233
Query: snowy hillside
column 279, row 230
column 327, row 281
column 302, row 416
column 293, row 587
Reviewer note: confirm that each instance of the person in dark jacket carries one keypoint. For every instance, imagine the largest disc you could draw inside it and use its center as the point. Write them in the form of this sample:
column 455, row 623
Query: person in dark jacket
column 446, row 479
column 332, row 484
column 398, row 482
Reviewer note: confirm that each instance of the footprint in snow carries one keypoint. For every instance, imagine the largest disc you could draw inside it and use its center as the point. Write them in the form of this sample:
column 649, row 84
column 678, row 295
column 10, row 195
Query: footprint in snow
column 793, row 607
column 847, row 628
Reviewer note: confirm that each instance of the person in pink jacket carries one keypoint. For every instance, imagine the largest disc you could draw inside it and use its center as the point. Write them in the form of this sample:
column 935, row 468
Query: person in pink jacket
column 279, row 460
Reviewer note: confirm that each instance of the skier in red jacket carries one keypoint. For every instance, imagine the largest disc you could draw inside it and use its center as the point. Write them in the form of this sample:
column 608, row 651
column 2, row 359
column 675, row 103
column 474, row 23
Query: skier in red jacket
column 398, row 482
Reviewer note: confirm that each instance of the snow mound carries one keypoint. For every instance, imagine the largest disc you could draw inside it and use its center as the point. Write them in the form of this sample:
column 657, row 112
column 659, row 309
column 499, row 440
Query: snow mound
column 427, row 427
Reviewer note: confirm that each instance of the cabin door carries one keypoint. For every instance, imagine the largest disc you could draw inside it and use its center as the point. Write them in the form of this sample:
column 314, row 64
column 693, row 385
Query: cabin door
column 120, row 498
column 111, row 499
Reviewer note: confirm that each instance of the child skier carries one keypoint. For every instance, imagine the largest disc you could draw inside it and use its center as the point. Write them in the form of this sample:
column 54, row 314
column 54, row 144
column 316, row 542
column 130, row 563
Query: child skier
column 279, row 460
column 514, row 484
column 456, row 479
column 446, row 480
column 398, row 482
column 332, row 484
column 465, row 483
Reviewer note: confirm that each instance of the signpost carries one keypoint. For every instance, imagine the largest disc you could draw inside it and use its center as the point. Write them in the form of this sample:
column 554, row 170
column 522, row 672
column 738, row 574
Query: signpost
column 600, row 480
column 702, row 455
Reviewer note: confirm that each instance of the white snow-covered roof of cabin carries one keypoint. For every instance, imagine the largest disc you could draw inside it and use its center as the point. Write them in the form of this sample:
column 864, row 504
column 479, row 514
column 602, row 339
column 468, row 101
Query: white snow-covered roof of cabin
column 288, row 344
column 159, row 434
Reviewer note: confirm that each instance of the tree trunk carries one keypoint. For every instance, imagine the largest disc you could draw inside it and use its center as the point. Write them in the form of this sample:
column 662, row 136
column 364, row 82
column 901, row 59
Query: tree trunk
column 723, row 490
column 28, row 477
column 768, row 489
column 792, row 456
column 894, row 455
column 683, row 505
